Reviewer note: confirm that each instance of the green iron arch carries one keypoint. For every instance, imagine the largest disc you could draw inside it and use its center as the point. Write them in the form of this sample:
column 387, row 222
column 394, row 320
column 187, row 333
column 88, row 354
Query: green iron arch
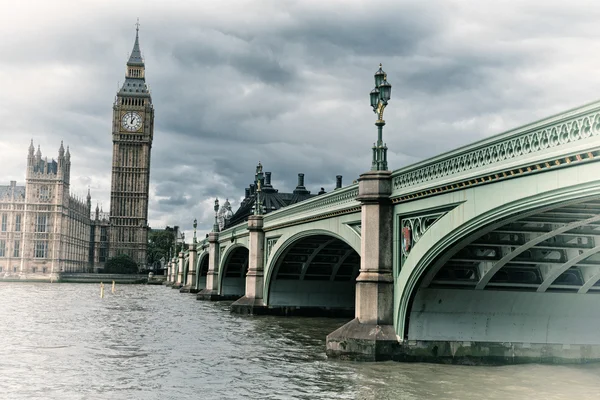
column 224, row 259
column 435, row 257
column 201, row 257
column 286, row 244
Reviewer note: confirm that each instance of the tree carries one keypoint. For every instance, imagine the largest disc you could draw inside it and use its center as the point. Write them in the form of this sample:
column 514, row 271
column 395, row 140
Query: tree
column 121, row 264
column 160, row 244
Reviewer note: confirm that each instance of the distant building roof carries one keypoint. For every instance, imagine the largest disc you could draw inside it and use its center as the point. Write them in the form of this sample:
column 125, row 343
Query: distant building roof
column 270, row 198
column 12, row 192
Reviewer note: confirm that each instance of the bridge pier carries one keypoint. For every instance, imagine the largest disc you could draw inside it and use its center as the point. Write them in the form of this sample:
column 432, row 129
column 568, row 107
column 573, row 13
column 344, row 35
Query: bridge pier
column 252, row 301
column 168, row 280
column 191, row 276
column 370, row 336
column 179, row 277
column 211, row 291
column 171, row 273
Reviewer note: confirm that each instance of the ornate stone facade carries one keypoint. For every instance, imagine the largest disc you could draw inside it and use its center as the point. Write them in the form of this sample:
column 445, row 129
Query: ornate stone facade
column 133, row 129
column 44, row 229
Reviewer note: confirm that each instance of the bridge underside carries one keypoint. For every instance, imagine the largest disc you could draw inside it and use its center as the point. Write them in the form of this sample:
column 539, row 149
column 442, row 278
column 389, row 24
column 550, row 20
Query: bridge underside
column 315, row 276
column 520, row 292
column 233, row 285
column 202, row 271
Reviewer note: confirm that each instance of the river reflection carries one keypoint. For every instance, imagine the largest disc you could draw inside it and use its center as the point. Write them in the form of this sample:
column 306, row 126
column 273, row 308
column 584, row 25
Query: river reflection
column 62, row 341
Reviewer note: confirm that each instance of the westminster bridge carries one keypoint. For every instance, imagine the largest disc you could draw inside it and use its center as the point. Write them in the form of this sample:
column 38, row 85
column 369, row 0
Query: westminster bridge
column 488, row 253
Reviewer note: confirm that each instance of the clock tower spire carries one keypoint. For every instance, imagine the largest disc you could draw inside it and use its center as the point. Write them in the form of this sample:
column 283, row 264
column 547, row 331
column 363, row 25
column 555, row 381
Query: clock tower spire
column 132, row 134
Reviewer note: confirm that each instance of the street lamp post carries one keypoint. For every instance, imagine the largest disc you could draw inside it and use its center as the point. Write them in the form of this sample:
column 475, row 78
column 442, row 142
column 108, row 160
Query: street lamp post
column 195, row 226
column 380, row 96
column 259, row 177
column 216, row 208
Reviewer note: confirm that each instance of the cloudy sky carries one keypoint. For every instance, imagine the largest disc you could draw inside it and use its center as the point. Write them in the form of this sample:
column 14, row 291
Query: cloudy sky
column 284, row 82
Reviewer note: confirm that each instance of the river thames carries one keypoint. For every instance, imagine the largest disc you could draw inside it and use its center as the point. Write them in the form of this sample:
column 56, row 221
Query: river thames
column 62, row 341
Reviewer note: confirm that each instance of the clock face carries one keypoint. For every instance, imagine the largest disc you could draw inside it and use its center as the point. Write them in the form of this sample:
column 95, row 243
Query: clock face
column 131, row 121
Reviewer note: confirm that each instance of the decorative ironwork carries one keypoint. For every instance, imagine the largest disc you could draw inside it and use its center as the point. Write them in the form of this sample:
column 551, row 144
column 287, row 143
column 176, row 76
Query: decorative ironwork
column 503, row 149
column 270, row 244
column 221, row 252
column 413, row 228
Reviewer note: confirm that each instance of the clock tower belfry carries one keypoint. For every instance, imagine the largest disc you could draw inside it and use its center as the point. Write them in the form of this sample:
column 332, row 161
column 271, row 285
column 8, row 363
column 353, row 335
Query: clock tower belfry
column 132, row 133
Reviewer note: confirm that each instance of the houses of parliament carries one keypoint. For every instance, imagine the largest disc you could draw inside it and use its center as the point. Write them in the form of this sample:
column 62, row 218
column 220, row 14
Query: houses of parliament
column 45, row 230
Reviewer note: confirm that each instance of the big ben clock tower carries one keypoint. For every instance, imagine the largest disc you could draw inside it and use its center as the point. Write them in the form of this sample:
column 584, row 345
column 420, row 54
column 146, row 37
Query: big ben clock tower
column 132, row 132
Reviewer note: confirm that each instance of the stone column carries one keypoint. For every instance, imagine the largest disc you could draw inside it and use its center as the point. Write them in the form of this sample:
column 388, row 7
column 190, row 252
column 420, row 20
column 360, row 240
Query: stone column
column 168, row 280
column 180, row 277
column 252, row 302
column 211, row 292
column 190, row 282
column 371, row 335
column 173, row 270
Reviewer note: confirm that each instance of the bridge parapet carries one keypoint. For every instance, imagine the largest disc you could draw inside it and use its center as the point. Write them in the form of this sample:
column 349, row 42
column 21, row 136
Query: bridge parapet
column 340, row 201
column 234, row 232
column 557, row 141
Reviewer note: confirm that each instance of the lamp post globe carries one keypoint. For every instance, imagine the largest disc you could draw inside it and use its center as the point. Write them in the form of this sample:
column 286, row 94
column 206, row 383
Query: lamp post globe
column 216, row 208
column 379, row 98
column 195, row 226
column 259, row 177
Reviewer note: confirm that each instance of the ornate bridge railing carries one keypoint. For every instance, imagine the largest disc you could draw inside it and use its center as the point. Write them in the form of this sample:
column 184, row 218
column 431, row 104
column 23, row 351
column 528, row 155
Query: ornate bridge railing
column 553, row 142
column 337, row 202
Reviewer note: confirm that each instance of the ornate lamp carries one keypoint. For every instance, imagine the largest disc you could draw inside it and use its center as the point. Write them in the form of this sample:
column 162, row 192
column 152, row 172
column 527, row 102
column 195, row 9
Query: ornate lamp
column 259, row 177
column 216, row 208
column 195, row 226
column 379, row 98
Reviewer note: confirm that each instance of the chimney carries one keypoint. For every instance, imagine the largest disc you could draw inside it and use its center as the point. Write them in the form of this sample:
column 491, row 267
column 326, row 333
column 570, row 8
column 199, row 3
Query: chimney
column 267, row 178
column 247, row 193
column 300, row 180
column 300, row 189
column 338, row 181
column 252, row 188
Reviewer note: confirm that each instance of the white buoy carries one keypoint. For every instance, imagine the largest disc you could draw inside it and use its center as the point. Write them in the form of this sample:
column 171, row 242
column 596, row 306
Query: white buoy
column 101, row 290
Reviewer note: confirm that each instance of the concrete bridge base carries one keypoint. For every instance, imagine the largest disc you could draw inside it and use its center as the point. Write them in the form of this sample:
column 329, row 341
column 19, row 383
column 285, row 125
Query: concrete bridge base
column 249, row 306
column 494, row 353
column 213, row 295
column 188, row 289
column 252, row 306
column 363, row 342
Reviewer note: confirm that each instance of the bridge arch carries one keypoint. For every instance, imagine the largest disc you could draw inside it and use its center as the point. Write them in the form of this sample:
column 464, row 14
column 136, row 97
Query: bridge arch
column 505, row 258
column 201, row 270
column 233, row 268
column 186, row 267
column 312, row 270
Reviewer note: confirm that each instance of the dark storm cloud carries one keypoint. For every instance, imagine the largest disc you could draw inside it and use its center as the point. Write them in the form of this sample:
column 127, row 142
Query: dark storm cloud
column 285, row 83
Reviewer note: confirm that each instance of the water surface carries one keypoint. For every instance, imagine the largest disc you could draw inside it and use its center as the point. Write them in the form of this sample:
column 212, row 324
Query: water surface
column 62, row 341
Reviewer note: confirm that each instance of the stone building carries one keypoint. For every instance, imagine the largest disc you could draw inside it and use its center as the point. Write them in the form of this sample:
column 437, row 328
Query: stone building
column 44, row 229
column 133, row 130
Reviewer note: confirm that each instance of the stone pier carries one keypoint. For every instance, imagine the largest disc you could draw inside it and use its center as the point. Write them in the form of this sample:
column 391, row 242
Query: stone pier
column 211, row 292
column 252, row 302
column 190, row 281
column 179, row 278
column 370, row 335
